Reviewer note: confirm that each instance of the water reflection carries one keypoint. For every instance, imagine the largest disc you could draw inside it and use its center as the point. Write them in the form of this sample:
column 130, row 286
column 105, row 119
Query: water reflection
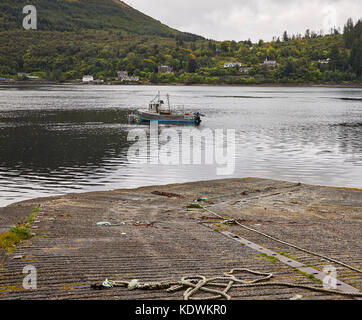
column 40, row 142
column 59, row 139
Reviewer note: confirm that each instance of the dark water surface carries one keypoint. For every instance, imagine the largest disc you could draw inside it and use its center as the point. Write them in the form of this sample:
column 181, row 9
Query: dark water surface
column 65, row 139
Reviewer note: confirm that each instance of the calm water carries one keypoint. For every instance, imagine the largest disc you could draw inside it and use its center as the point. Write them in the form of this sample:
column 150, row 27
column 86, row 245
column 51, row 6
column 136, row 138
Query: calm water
column 61, row 139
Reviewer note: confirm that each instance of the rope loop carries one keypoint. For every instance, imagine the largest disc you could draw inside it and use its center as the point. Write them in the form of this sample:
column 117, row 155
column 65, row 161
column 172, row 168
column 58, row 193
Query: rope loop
column 219, row 287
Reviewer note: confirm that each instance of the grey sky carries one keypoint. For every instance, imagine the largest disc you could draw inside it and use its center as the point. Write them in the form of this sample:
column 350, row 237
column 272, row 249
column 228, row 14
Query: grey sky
column 257, row 19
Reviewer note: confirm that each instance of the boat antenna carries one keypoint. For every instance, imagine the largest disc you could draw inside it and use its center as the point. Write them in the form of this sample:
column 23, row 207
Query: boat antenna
column 168, row 102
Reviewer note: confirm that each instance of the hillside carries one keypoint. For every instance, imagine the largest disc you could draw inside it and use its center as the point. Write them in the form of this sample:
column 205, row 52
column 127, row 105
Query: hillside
column 73, row 15
column 100, row 37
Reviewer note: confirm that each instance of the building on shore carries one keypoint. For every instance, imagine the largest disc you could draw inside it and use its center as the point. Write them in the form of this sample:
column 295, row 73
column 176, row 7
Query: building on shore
column 324, row 61
column 87, row 79
column 165, row 69
column 269, row 63
column 228, row 65
column 244, row 70
column 123, row 76
column 32, row 77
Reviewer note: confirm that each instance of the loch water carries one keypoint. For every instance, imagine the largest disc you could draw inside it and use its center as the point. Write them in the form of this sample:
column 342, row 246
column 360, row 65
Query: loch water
column 61, row 139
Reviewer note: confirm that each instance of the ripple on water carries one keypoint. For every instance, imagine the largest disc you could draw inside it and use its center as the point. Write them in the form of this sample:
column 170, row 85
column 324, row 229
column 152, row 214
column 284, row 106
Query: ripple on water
column 74, row 139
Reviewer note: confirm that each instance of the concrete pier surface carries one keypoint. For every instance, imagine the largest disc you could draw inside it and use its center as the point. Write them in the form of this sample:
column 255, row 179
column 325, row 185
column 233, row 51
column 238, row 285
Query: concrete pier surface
column 155, row 235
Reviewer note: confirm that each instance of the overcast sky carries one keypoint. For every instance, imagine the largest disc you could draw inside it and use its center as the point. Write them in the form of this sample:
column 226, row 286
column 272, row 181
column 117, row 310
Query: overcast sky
column 255, row 19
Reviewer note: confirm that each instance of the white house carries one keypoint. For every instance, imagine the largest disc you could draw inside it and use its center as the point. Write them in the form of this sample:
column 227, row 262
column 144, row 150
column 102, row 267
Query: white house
column 87, row 79
column 324, row 61
column 232, row 65
column 32, row 77
column 269, row 63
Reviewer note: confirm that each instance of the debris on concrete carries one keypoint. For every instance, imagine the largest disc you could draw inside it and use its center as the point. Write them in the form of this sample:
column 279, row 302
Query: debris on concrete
column 168, row 194
column 18, row 257
column 101, row 224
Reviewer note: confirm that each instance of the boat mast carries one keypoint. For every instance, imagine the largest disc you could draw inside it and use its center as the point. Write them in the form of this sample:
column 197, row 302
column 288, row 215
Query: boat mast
column 168, row 102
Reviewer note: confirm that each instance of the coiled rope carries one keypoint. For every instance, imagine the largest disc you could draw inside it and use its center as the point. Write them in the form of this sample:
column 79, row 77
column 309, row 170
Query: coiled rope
column 281, row 241
column 195, row 284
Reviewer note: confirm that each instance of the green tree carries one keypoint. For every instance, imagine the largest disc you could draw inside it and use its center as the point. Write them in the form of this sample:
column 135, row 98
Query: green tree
column 285, row 36
column 192, row 66
column 348, row 33
column 336, row 61
column 154, row 78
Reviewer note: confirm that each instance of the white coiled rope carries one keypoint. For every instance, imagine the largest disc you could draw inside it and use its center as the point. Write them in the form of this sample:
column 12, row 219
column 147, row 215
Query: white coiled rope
column 195, row 284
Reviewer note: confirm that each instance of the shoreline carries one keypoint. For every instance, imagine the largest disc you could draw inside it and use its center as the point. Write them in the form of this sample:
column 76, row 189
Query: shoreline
column 154, row 230
column 41, row 198
column 276, row 85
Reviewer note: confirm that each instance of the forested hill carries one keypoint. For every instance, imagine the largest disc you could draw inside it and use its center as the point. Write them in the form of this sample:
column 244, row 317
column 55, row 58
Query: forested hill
column 73, row 15
column 100, row 37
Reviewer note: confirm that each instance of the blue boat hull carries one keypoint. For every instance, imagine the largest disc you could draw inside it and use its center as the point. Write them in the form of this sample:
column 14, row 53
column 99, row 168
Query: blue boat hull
column 149, row 116
column 170, row 121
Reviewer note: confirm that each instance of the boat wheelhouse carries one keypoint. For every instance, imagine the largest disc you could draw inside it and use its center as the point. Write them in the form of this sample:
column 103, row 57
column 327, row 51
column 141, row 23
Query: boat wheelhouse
column 158, row 111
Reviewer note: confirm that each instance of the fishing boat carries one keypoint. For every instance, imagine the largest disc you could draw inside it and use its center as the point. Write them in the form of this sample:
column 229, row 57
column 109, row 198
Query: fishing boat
column 157, row 111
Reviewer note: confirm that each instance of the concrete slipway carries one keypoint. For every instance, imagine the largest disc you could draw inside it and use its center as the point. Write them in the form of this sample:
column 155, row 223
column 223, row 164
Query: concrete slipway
column 164, row 240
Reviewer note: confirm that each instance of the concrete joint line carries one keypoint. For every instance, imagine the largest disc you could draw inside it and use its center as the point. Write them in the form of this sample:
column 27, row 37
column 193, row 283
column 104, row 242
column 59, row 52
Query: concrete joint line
column 341, row 286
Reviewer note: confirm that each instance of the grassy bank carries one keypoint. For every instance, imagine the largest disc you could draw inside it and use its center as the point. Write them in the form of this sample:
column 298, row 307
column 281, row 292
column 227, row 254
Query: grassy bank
column 16, row 234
